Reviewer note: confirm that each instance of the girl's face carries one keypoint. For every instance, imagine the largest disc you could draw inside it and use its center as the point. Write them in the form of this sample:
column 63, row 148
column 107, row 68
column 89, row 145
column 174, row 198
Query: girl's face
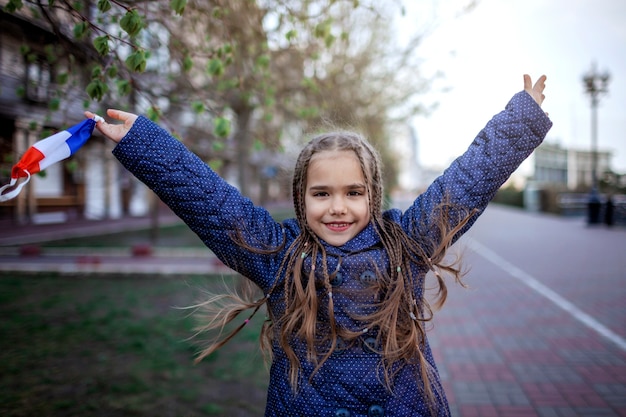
column 336, row 201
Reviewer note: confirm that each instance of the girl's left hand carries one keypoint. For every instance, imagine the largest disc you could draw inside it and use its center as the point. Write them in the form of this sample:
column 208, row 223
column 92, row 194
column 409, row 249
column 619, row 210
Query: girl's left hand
column 536, row 90
column 118, row 131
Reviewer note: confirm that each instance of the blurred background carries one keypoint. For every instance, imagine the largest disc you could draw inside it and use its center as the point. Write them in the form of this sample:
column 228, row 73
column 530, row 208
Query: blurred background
column 94, row 266
column 420, row 79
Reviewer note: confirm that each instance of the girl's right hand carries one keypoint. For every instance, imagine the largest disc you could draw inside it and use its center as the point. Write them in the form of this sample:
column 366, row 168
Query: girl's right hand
column 118, row 131
column 535, row 90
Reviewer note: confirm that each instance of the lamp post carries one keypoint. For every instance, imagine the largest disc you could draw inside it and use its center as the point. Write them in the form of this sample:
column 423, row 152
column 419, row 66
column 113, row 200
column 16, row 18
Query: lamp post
column 596, row 84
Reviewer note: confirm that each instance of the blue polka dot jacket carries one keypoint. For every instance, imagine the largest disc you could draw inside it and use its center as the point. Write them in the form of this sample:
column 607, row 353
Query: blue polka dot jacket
column 349, row 384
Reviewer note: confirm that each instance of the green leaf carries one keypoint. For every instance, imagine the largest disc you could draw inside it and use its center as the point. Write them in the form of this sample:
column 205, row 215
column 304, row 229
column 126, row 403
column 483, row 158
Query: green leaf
column 124, row 87
column 13, row 6
column 225, row 85
column 71, row 165
column 308, row 112
column 104, row 5
column 96, row 89
column 112, row 71
column 187, row 63
column 62, row 78
column 197, row 107
column 101, row 43
column 329, row 40
column 96, row 71
column 153, row 113
column 80, row 29
column 292, row 34
column 217, row 13
column 221, row 127
column 54, row 104
column 263, row 61
column 51, row 54
column 178, row 6
column 131, row 23
column 216, row 164
column 215, row 67
column 136, row 61
column 310, row 84
column 322, row 30
column 218, row 146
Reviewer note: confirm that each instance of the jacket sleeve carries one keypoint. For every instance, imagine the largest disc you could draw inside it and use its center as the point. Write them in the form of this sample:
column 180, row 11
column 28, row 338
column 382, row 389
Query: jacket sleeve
column 210, row 206
column 473, row 179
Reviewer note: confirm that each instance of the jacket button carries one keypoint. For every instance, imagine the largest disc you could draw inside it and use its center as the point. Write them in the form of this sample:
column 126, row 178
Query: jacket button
column 368, row 277
column 375, row 411
column 340, row 346
column 337, row 280
column 342, row 412
column 372, row 344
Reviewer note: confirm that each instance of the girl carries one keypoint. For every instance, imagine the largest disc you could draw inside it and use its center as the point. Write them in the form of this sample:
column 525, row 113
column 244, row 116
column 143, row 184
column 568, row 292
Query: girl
column 344, row 281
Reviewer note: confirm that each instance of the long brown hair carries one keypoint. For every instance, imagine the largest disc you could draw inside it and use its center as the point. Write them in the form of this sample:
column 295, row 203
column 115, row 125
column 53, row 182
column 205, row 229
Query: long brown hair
column 400, row 318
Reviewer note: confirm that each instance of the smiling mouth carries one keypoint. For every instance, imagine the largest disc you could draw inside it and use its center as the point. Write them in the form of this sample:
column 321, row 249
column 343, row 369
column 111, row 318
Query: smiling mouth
column 338, row 227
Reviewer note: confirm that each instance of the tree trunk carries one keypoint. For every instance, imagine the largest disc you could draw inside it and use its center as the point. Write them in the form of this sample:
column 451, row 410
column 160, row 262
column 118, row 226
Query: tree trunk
column 243, row 142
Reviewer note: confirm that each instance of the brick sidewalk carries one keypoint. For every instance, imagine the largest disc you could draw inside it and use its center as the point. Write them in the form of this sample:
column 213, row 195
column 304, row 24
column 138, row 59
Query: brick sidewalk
column 503, row 351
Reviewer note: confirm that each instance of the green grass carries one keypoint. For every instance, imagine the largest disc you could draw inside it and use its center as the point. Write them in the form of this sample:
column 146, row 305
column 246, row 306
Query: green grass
column 116, row 346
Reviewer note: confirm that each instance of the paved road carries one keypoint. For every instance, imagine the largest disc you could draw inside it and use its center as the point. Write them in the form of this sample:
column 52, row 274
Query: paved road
column 540, row 333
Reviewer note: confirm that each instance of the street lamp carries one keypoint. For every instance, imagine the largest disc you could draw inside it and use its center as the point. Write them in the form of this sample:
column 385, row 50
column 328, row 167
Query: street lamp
column 596, row 84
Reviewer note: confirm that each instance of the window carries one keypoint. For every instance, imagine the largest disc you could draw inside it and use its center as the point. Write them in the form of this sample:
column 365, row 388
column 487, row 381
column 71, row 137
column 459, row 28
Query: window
column 38, row 79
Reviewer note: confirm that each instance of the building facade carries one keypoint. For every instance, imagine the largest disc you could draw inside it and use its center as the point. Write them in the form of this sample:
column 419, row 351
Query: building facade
column 567, row 168
column 36, row 100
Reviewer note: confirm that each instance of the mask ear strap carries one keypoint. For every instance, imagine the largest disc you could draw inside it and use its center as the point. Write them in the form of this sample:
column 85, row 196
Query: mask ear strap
column 16, row 191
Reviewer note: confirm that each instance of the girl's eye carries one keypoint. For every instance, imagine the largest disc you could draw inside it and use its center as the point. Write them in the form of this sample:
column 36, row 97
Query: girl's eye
column 320, row 194
column 355, row 193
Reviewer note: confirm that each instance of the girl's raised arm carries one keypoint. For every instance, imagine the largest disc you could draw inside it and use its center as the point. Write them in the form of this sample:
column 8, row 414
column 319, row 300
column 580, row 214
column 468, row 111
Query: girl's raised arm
column 473, row 179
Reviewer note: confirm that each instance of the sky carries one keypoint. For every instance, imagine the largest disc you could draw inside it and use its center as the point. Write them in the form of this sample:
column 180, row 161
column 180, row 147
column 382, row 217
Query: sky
column 485, row 53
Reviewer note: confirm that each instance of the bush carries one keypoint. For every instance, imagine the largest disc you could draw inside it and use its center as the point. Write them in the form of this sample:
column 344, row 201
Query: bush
column 510, row 196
